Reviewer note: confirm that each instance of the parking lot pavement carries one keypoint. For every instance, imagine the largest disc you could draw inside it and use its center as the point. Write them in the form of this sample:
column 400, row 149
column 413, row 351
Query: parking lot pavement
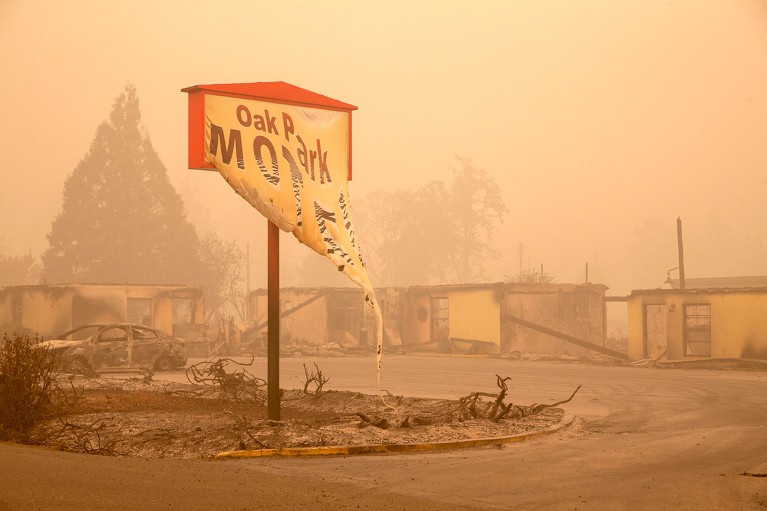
column 642, row 439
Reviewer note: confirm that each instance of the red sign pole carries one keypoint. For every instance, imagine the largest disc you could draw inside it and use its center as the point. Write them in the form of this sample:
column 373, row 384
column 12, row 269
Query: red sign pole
column 273, row 328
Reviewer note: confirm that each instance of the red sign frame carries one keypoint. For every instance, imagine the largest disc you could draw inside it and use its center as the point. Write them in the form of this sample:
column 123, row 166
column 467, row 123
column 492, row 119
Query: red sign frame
column 273, row 92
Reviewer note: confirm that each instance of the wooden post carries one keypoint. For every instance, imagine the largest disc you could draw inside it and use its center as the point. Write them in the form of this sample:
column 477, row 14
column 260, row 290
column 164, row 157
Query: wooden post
column 681, row 252
column 273, row 328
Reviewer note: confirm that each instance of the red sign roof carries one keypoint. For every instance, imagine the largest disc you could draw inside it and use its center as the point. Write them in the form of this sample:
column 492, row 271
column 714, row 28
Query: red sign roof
column 275, row 91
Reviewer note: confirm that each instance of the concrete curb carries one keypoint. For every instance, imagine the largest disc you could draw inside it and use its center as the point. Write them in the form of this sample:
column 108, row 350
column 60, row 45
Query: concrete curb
column 341, row 450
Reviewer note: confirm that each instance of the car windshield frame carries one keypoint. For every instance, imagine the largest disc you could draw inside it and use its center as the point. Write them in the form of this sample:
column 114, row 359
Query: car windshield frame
column 152, row 333
column 92, row 329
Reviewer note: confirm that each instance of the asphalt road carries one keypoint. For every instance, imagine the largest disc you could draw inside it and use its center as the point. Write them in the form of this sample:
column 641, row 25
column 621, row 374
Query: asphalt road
column 643, row 439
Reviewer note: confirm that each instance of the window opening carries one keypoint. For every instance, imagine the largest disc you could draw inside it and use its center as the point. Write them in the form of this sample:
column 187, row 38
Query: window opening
column 439, row 319
column 113, row 334
column 697, row 330
column 182, row 316
column 143, row 333
column 140, row 311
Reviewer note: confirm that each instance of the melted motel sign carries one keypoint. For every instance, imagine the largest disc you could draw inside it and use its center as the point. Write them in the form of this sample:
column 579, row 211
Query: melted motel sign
column 287, row 151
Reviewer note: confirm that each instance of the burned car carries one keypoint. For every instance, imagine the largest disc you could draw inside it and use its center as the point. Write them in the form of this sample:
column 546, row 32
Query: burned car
column 115, row 346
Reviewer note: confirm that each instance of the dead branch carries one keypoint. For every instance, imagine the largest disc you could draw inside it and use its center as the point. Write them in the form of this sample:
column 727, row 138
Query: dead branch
column 378, row 422
column 93, row 438
column 65, row 399
column 315, row 377
column 237, row 385
column 473, row 407
column 416, row 420
column 537, row 408
column 167, row 388
column 243, row 428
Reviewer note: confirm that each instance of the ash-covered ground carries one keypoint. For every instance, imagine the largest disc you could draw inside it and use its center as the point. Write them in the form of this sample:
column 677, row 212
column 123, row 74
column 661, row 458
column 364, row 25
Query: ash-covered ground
column 145, row 418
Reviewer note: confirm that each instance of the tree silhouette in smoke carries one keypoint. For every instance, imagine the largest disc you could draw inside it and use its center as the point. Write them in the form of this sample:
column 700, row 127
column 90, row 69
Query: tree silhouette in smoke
column 122, row 221
column 437, row 233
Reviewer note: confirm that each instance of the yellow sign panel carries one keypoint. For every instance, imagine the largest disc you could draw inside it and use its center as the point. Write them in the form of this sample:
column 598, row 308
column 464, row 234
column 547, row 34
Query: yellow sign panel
column 291, row 163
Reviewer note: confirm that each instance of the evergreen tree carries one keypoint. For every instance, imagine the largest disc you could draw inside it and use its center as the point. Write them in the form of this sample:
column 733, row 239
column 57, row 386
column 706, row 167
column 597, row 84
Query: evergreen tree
column 437, row 233
column 477, row 207
column 122, row 221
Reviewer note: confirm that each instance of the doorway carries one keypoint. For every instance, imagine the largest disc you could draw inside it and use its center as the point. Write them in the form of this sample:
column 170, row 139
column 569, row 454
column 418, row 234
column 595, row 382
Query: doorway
column 654, row 329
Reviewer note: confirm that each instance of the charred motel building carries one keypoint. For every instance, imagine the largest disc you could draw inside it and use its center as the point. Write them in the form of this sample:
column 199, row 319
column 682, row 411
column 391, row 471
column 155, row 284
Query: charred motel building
column 49, row 310
column 475, row 318
column 711, row 318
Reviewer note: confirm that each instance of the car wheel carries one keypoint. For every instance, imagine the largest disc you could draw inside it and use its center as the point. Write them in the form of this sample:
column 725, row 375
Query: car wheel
column 163, row 364
column 78, row 365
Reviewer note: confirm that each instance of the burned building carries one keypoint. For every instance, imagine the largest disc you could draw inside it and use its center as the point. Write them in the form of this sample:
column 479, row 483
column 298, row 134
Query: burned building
column 49, row 310
column 554, row 319
column 322, row 316
column 698, row 322
column 505, row 318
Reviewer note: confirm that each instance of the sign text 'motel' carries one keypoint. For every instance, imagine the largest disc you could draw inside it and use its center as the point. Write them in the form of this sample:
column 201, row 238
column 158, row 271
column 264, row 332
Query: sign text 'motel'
column 312, row 162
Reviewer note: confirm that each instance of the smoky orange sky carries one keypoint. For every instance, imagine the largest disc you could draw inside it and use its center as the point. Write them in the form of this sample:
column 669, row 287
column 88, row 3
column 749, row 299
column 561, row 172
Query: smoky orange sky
column 602, row 121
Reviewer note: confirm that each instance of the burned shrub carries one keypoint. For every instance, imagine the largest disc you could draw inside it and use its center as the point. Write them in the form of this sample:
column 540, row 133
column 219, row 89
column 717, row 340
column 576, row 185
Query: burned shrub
column 28, row 384
column 473, row 406
column 97, row 437
column 316, row 378
column 236, row 385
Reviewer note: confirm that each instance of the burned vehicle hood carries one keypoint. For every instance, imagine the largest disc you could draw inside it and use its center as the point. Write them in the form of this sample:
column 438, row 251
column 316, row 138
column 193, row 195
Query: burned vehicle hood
column 57, row 344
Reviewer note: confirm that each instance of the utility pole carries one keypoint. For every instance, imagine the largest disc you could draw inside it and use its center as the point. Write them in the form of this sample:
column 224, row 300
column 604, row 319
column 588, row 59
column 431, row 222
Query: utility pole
column 246, row 312
column 681, row 252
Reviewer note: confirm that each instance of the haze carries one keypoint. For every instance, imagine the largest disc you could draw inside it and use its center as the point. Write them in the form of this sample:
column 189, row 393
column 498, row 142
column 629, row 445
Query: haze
column 601, row 121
